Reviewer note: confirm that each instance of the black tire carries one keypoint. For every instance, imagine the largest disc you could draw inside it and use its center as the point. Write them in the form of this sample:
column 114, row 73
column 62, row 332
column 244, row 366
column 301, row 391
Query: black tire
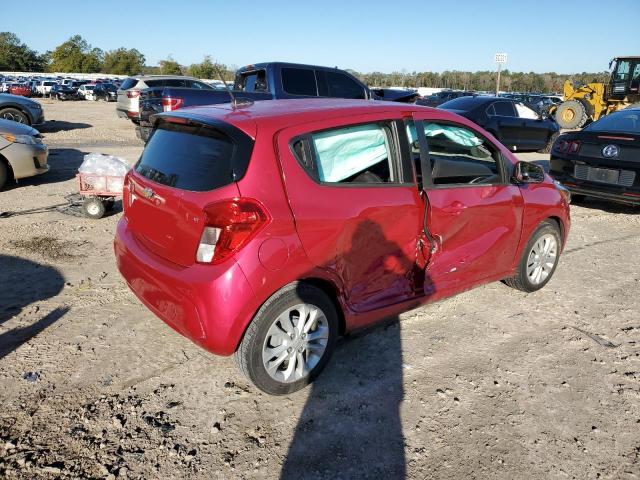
column 521, row 280
column 571, row 114
column 552, row 140
column 4, row 174
column 93, row 208
column 249, row 353
column 15, row 115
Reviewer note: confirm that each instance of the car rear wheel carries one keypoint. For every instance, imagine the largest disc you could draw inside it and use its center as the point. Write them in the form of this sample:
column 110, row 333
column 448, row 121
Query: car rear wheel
column 290, row 340
column 571, row 114
column 539, row 260
column 14, row 115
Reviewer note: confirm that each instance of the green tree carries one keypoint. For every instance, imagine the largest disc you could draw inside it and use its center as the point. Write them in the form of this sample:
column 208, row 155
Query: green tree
column 170, row 67
column 123, row 62
column 18, row 57
column 76, row 55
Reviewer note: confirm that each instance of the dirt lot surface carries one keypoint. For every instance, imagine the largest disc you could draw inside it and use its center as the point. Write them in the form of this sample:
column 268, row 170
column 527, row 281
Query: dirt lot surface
column 493, row 383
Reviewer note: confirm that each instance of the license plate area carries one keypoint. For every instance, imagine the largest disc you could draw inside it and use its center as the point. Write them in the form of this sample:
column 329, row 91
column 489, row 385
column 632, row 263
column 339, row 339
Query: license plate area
column 601, row 175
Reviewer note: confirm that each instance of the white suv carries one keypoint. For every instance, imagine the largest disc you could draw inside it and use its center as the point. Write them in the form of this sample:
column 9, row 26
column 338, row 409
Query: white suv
column 128, row 105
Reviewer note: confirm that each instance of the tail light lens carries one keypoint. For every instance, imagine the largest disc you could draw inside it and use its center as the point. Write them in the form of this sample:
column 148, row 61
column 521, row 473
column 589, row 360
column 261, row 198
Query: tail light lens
column 565, row 146
column 171, row 103
column 133, row 93
column 230, row 224
column 574, row 147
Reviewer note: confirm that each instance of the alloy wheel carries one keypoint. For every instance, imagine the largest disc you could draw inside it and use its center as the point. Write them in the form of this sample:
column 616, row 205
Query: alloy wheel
column 295, row 343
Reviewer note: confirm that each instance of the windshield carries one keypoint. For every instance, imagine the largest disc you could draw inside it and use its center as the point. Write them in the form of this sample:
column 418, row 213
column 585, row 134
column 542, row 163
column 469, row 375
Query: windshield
column 622, row 121
column 622, row 71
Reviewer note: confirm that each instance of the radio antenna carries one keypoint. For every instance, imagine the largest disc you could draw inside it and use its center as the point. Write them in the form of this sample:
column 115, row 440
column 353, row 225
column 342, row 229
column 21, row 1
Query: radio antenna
column 235, row 103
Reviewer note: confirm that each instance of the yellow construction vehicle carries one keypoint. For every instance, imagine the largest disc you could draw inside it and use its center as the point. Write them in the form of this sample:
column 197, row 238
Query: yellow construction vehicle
column 592, row 101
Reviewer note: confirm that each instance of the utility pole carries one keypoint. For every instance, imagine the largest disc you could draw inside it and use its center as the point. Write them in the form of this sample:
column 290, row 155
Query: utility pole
column 499, row 58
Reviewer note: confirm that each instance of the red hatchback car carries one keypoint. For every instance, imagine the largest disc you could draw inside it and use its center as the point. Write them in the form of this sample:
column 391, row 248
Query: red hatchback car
column 272, row 229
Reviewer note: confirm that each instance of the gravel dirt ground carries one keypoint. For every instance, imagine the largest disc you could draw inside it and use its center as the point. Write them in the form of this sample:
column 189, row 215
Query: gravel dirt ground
column 493, row 383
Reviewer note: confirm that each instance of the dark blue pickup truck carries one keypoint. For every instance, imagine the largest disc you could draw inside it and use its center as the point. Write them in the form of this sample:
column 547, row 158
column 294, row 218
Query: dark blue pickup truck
column 265, row 81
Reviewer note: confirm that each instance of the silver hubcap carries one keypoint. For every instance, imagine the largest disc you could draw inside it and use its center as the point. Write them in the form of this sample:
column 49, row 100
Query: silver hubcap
column 11, row 116
column 542, row 258
column 295, row 343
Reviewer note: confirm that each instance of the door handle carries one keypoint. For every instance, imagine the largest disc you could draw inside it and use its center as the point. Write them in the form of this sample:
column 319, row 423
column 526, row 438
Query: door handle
column 456, row 208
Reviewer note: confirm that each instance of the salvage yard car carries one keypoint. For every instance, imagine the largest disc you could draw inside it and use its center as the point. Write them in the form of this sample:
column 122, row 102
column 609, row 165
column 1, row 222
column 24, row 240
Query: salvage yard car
column 517, row 126
column 21, row 109
column 268, row 231
column 22, row 153
column 602, row 160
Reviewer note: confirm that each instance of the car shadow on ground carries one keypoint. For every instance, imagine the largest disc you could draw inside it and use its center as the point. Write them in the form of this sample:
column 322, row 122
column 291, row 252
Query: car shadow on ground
column 63, row 166
column 53, row 126
column 350, row 426
column 23, row 283
column 593, row 203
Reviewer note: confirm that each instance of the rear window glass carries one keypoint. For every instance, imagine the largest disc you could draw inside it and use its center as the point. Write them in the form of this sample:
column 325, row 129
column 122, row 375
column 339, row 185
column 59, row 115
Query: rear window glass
column 463, row 104
column 129, row 83
column 622, row 121
column 342, row 86
column 299, row 81
column 252, row 81
column 194, row 158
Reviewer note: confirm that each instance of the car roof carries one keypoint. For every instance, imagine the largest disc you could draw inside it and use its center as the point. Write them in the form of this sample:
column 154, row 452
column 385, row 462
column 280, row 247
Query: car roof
column 286, row 113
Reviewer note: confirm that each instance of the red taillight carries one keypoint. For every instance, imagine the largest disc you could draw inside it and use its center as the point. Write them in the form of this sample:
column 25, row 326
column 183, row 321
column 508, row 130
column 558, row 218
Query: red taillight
column 230, row 224
column 171, row 103
column 133, row 93
column 563, row 146
column 572, row 146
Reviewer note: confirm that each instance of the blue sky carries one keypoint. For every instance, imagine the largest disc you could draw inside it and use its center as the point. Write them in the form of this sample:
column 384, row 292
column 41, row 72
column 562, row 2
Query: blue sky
column 538, row 35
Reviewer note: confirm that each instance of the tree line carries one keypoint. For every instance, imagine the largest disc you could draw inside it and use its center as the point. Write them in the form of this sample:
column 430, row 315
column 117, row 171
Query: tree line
column 78, row 56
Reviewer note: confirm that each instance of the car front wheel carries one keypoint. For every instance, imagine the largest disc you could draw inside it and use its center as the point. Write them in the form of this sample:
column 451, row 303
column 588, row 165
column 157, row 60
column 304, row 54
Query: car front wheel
column 290, row 339
column 539, row 259
column 14, row 115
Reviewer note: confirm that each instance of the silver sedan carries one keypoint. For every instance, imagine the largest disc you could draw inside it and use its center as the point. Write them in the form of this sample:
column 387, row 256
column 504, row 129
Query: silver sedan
column 22, row 152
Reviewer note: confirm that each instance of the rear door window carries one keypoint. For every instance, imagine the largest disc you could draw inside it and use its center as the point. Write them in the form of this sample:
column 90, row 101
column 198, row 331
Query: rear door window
column 504, row 109
column 360, row 154
column 299, row 81
column 340, row 85
column 192, row 157
column 175, row 82
column 128, row 83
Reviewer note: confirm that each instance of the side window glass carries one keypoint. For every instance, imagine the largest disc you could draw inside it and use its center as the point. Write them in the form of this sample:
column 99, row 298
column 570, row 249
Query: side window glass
column 356, row 154
column 299, row 81
column 255, row 81
column 459, row 156
column 504, row 109
column 341, row 86
column 491, row 111
column 526, row 112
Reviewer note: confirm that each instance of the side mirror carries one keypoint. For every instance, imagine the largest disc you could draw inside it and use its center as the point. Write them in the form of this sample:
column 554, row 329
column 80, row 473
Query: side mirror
column 526, row 172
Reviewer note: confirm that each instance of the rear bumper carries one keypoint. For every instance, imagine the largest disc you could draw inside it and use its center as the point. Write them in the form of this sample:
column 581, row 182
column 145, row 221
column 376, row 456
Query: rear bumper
column 122, row 113
column 628, row 195
column 209, row 304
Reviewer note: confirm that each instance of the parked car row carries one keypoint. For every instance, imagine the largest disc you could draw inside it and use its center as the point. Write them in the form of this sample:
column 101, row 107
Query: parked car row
column 59, row 88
